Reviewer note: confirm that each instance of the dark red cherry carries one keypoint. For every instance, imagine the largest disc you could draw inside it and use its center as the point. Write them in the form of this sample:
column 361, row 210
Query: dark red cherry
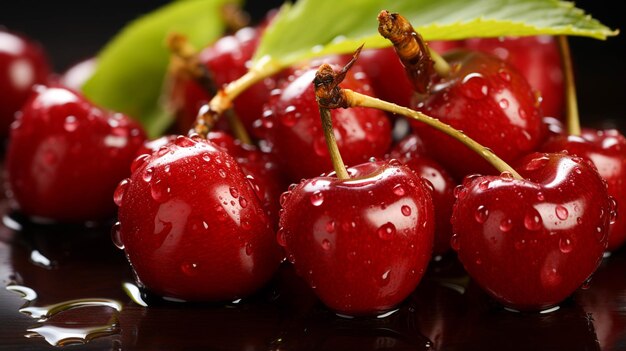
column 65, row 156
column 607, row 150
column 488, row 100
column 531, row 243
column 538, row 59
column 293, row 130
column 363, row 243
column 192, row 225
column 441, row 183
column 23, row 64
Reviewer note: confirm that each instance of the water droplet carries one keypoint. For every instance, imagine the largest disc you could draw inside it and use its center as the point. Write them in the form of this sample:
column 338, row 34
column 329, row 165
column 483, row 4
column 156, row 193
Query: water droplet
column 398, row 190
column 474, row 86
column 183, row 141
column 537, row 163
column 561, row 212
column 330, row 226
column 159, row 191
column 326, row 244
column 284, row 197
column 116, row 235
column 532, row 220
column 70, row 124
column 118, row 195
column 248, row 249
column 206, row 157
column 147, row 174
column 540, row 196
column 387, row 231
column 484, row 185
column 579, row 220
column 481, row 214
column 189, row 268
column 317, row 198
column 586, row 284
column 519, row 244
column 234, row 192
column 280, row 237
column 565, row 245
column 406, row 210
column 504, row 104
column 504, row 75
column 506, row 224
column 243, row 202
column 479, row 261
column 454, row 242
column 138, row 162
column 222, row 173
column 289, row 117
column 507, row 176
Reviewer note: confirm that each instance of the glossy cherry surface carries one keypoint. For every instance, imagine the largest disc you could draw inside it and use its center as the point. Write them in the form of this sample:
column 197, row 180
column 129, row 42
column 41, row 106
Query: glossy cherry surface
column 441, row 183
column 363, row 243
column 78, row 74
column 488, row 100
column 607, row 150
column 294, row 132
column 538, row 58
column 531, row 243
column 192, row 226
column 65, row 156
column 23, row 64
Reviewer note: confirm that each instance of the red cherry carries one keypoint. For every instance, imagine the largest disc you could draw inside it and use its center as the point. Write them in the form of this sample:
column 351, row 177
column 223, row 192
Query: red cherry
column 192, row 226
column 23, row 64
column 362, row 243
column 491, row 102
column 78, row 74
column 441, row 183
column 65, row 156
column 538, row 59
column 530, row 243
column 607, row 150
column 294, row 132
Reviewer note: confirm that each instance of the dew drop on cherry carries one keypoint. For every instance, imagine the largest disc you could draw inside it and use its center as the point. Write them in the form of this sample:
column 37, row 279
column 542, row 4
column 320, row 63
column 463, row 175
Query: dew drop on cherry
column 537, row 163
column 474, row 86
column 317, row 198
column 386, row 231
column 481, row 214
column 159, row 191
column 561, row 212
column 243, row 202
column 138, row 162
column 399, row 190
column 532, row 220
column 326, row 244
column 118, row 195
column 406, row 210
column 330, row 226
column 116, row 235
column 454, row 242
column 280, row 237
column 565, row 245
column 147, row 174
column 234, row 192
column 484, row 185
column 506, row 225
column 70, row 124
column 189, row 268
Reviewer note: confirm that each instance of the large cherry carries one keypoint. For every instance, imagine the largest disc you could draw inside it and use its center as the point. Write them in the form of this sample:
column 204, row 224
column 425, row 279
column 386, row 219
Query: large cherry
column 295, row 136
column 531, row 243
column 192, row 226
column 607, row 150
column 538, row 59
column 408, row 152
column 23, row 63
column 65, row 156
column 362, row 243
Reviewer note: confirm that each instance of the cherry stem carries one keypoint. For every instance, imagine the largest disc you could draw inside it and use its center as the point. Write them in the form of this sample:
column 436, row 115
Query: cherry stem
column 234, row 17
column 331, row 143
column 185, row 63
column 571, row 104
column 419, row 61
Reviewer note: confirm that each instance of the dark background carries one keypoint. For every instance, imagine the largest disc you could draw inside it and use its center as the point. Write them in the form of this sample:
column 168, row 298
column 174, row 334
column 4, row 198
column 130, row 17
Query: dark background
column 72, row 31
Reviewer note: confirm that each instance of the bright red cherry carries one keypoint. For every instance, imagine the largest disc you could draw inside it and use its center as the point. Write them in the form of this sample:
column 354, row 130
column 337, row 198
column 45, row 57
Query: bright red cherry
column 23, row 64
column 192, row 226
column 491, row 102
column 362, row 243
column 78, row 74
column 65, row 156
column 538, row 59
column 294, row 132
column 531, row 243
column 607, row 150
column 441, row 183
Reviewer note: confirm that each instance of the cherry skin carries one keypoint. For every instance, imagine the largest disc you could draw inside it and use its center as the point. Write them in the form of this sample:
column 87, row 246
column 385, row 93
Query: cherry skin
column 441, row 182
column 78, row 74
column 192, row 225
column 538, row 58
column 295, row 136
column 607, row 150
column 23, row 64
column 65, row 156
column 531, row 243
column 363, row 243
column 491, row 102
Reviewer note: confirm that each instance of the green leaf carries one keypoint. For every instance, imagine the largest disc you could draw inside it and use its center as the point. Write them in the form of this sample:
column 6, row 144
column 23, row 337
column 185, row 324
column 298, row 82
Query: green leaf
column 132, row 67
column 313, row 28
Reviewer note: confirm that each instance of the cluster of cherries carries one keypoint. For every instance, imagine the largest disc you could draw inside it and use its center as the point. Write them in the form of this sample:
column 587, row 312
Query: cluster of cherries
column 210, row 218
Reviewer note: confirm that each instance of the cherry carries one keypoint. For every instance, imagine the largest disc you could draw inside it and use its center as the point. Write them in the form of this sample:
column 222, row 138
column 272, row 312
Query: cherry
column 294, row 133
column 192, row 225
column 441, row 183
column 23, row 64
column 65, row 156
column 531, row 242
column 537, row 58
column 362, row 243
column 78, row 74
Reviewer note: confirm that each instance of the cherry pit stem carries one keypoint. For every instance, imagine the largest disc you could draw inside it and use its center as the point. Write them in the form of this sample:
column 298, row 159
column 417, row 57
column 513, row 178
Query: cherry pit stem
column 330, row 96
column 185, row 63
column 571, row 104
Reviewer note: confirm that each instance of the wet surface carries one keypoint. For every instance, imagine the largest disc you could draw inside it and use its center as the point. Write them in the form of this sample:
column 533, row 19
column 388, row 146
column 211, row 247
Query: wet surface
column 61, row 285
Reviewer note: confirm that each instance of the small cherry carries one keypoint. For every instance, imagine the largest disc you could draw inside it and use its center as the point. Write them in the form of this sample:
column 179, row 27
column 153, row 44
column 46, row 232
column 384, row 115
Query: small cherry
column 537, row 58
column 605, row 148
column 442, row 184
column 65, row 156
column 23, row 64
column 192, row 225
column 296, row 138
column 360, row 237
column 477, row 93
